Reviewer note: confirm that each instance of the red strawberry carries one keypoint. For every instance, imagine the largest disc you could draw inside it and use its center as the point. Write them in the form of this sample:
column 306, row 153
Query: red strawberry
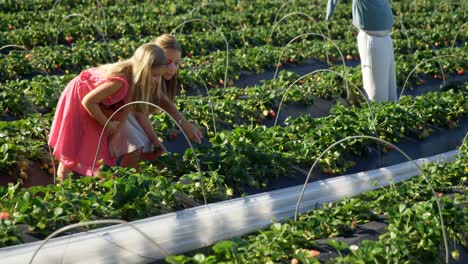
column 292, row 60
column 4, row 215
column 389, row 147
column 221, row 82
column 271, row 114
column 173, row 135
column 58, row 66
column 68, row 39
column 435, row 76
column 460, row 72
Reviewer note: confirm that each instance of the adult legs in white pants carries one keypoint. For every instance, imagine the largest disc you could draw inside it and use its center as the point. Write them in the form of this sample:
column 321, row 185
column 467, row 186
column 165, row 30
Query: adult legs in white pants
column 378, row 66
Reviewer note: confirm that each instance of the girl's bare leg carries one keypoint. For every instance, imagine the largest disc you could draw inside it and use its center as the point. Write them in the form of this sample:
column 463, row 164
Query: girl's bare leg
column 62, row 172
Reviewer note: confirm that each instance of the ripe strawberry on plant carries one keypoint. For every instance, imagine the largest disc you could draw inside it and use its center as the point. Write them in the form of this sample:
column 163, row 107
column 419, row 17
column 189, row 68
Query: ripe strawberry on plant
column 460, row 72
column 68, row 40
column 221, row 82
column 4, row 215
column 172, row 135
column 271, row 114
column 388, row 147
column 292, row 60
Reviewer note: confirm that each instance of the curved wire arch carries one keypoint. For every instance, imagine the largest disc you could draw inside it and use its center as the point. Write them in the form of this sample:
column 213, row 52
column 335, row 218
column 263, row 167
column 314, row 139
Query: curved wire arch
column 93, row 222
column 44, row 127
column 225, row 40
column 175, row 122
column 405, row 155
column 95, row 26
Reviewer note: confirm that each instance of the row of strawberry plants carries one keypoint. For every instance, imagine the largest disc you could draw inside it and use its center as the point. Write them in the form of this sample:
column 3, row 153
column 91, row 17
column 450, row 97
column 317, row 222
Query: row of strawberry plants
column 30, row 36
column 126, row 22
column 18, row 7
column 243, row 158
column 200, row 41
column 43, row 92
column 413, row 231
column 231, row 105
column 304, row 138
column 64, row 59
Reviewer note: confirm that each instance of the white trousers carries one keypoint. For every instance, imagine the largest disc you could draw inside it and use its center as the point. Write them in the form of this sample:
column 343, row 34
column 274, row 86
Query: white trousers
column 378, row 66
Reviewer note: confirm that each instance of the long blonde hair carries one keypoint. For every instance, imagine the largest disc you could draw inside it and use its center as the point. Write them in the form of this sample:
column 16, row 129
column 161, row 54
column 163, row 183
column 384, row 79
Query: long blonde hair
column 169, row 42
column 137, row 70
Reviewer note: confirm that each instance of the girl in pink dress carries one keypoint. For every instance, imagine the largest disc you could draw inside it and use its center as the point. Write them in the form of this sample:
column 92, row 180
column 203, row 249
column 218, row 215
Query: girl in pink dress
column 138, row 140
column 81, row 111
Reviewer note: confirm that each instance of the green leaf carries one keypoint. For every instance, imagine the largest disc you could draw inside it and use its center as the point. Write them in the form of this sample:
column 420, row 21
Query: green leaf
column 178, row 259
column 401, row 208
column 26, row 196
column 223, row 246
column 58, row 211
column 376, row 251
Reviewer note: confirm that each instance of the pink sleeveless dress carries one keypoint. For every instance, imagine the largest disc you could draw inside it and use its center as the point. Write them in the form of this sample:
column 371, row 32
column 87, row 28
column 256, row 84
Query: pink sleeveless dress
column 74, row 134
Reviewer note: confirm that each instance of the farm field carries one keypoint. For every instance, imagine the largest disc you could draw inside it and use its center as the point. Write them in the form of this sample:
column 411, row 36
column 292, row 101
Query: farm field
column 272, row 85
